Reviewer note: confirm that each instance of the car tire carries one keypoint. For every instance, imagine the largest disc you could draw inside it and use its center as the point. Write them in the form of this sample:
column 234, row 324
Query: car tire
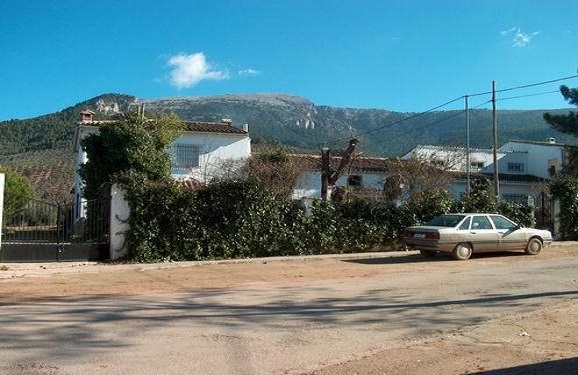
column 428, row 253
column 462, row 251
column 534, row 246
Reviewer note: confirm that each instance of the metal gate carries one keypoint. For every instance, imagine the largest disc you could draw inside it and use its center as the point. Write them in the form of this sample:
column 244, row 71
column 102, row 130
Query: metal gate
column 543, row 211
column 47, row 232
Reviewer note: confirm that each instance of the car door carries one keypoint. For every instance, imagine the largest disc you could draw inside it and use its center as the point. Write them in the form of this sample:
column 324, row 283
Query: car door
column 511, row 237
column 483, row 235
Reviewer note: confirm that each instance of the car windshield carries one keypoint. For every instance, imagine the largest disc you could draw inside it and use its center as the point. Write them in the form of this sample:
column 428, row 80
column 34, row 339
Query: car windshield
column 446, row 221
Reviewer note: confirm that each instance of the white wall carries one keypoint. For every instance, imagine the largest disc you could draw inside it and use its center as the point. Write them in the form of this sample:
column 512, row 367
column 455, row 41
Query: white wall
column 538, row 156
column 454, row 158
column 309, row 184
column 216, row 149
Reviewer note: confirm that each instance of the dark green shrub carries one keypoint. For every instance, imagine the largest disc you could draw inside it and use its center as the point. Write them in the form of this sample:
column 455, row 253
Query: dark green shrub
column 482, row 198
column 17, row 192
column 565, row 189
column 521, row 214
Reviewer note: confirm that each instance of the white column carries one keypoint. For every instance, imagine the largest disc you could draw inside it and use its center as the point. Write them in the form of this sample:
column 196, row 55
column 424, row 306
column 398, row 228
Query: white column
column 119, row 215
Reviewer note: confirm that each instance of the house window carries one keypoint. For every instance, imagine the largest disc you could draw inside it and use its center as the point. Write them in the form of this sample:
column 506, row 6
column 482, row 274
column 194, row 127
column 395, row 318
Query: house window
column 516, row 167
column 186, row 156
column 354, row 180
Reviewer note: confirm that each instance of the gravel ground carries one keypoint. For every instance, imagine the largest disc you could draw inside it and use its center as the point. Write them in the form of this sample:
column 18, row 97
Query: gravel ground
column 484, row 316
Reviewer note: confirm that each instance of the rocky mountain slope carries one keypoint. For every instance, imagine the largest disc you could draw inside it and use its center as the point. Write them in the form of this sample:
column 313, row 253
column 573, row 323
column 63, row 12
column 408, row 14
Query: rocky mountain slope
column 298, row 122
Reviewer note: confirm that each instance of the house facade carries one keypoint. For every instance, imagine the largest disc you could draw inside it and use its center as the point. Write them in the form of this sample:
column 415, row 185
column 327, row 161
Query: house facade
column 206, row 150
column 203, row 151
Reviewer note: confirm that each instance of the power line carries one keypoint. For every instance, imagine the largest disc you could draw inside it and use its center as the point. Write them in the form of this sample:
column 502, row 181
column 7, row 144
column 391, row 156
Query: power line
column 526, row 86
column 459, row 98
column 458, row 113
column 528, row 95
column 399, row 121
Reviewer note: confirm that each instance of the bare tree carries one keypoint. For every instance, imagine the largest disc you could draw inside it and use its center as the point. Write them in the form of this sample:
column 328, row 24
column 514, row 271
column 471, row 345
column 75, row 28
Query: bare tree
column 430, row 171
column 275, row 169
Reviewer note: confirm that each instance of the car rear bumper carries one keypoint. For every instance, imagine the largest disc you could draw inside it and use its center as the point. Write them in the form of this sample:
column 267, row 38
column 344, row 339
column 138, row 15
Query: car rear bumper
column 433, row 245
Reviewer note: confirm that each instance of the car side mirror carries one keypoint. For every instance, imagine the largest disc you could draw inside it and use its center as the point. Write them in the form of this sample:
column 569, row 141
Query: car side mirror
column 516, row 227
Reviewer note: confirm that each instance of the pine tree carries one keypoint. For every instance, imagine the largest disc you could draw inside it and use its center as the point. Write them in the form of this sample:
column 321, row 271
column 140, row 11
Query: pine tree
column 565, row 123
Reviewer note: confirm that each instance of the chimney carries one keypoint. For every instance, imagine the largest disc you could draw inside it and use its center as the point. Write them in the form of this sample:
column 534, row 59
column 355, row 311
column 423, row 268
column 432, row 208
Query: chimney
column 246, row 127
column 86, row 116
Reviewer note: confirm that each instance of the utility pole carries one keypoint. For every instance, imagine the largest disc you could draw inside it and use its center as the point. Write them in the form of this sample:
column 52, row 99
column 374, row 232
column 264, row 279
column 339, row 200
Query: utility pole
column 495, row 131
column 468, row 163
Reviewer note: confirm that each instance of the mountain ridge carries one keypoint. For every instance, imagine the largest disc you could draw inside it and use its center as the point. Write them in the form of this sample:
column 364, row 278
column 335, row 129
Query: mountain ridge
column 41, row 147
column 294, row 121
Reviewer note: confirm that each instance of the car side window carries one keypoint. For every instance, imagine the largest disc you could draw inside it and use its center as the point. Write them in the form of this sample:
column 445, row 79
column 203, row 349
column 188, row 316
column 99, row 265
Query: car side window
column 466, row 224
column 481, row 222
column 502, row 223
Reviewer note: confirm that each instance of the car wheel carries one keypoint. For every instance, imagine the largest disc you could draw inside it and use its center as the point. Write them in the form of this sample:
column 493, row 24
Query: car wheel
column 428, row 253
column 534, row 246
column 462, row 251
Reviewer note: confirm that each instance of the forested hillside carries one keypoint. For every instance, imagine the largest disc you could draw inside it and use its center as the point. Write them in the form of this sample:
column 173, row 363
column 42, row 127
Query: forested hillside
column 41, row 148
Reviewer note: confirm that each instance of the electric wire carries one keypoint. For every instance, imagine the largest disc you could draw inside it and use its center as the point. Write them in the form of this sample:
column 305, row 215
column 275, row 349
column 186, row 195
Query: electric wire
column 528, row 95
column 398, row 121
column 335, row 140
column 525, row 86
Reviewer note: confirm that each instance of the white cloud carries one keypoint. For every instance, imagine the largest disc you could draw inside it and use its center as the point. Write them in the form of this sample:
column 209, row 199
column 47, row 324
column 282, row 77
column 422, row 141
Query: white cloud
column 506, row 32
column 520, row 38
column 188, row 70
column 248, row 72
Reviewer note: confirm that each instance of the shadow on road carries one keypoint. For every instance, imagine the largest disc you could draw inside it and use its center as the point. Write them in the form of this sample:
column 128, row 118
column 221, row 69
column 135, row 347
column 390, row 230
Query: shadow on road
column 558, row 367
column 440, row 257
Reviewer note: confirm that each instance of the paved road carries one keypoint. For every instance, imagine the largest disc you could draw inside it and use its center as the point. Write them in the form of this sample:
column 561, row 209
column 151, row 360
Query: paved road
column 273, row 327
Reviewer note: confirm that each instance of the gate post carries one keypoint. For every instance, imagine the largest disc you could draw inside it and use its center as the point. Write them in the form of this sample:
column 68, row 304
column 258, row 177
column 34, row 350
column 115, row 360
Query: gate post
column 2, row 180
column 119, row 215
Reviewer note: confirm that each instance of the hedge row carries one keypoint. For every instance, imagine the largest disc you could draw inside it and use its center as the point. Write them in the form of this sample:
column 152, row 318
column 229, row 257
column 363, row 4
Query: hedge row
column 239, row 218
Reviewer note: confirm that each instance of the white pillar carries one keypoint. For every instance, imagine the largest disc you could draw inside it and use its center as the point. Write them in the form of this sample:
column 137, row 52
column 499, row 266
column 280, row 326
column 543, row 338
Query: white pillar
column 119, row 215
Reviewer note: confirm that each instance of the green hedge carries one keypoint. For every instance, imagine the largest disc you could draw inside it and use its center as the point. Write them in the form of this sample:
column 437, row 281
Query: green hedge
column 239, row 218
column 565, row 189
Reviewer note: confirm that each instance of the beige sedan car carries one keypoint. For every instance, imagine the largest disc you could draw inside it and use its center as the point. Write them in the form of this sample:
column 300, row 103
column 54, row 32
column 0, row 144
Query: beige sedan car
column 464, row 234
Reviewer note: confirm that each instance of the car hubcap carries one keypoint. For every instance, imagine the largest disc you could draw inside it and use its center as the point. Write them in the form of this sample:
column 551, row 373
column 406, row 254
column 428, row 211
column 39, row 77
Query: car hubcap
column 463, row 251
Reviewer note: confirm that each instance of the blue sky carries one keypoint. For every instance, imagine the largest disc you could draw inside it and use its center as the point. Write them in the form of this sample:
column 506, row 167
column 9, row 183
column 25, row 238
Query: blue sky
column 395, row 55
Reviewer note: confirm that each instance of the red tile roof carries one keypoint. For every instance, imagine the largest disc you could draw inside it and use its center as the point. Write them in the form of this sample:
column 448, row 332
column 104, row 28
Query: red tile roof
column 190, row 126
column 212, row 127
column 312, row 162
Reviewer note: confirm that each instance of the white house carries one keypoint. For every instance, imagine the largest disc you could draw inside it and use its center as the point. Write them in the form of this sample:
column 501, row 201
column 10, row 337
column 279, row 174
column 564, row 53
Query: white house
column 203, row 151
column 542, row 159
column 206, row 150
column 523, row 166
column 364, row 174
